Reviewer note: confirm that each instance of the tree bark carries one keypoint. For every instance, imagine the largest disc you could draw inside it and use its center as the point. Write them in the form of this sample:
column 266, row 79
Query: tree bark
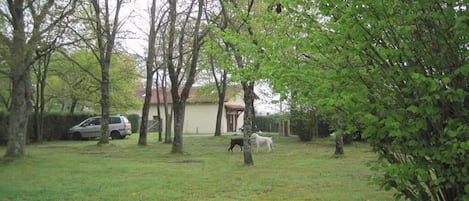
column 177, row 147
column 175, row 74
column 339, row 145
column 168, row 111
column 142, row 140
column 158, row 109
column 248, row 88
column 169, row 55
column 339, row 140
column 21, row 103
column 41, row 75
column 221, row 102
column 221, row 91
column 106, row 35
column 20, row 108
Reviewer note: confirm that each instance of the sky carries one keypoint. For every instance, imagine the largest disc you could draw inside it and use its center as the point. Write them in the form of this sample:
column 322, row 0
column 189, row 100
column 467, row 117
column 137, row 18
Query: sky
column 136, row 26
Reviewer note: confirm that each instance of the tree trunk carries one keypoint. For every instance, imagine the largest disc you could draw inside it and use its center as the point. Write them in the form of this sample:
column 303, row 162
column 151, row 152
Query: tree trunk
column 21, row 103
column 105, row 37
column 168, row 111
column 248, row 121
column 221, row 102
column 221, row 90
column 178, row 128
column 104, row 139
column 41, row 76
column 73, row 105
column 168, row 124
column 339, row 145
column 175, row 75
column 142, row 140
column 20, row 108
column 158, row 109
column 339, row 139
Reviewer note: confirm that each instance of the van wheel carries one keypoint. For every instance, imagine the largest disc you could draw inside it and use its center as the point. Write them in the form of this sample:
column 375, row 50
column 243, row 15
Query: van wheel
column 77, row 136
column 115, row 135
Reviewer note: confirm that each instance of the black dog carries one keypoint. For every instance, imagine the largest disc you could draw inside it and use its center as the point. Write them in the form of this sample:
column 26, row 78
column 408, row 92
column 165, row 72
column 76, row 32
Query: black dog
column 234, row 142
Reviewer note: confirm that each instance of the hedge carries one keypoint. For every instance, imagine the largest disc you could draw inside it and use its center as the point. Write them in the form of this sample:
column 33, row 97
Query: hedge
column 55, row 126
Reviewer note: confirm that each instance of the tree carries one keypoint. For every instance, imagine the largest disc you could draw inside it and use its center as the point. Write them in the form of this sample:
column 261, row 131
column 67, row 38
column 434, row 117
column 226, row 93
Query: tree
column 217, row 58
column 73, row 82
column 150, row 71
column 180, row 90
column 220, row 84
column 54, row 40
column 395, row 71
column 40, row 70
column 242, row 38
column 105, row 25
column 25, row 26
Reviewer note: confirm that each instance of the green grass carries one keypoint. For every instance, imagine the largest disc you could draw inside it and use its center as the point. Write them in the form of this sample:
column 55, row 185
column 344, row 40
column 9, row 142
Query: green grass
column 81, row 170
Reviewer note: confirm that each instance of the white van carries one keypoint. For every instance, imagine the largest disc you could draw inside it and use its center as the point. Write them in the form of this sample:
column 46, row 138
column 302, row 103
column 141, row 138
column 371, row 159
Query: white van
column 119, row 127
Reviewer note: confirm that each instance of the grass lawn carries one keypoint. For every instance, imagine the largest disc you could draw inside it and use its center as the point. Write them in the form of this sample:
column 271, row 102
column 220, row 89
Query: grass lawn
column 81, row 170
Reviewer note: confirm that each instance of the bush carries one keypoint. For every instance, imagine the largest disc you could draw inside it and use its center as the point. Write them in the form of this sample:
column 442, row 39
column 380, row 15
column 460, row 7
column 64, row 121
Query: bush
column 55, row 126
column 304, row 123
column 267, row 123
column 135, row 122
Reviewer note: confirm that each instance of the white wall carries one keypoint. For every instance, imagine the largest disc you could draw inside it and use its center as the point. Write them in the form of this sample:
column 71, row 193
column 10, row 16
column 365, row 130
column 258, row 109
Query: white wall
column 199, row 118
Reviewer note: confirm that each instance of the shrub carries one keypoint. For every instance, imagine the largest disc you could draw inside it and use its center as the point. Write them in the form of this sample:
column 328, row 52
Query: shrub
column 304, row 123
column 267, row 123
column 134, row 121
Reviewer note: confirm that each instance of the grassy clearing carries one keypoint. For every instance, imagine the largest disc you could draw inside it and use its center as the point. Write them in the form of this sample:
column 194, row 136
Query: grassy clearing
column 81, row 170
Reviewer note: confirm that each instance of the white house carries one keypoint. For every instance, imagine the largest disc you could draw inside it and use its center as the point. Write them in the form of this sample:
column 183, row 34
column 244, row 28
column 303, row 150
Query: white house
column 201, row 110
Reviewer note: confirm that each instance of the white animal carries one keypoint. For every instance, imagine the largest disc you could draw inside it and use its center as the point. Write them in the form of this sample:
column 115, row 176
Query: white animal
column 261, row 140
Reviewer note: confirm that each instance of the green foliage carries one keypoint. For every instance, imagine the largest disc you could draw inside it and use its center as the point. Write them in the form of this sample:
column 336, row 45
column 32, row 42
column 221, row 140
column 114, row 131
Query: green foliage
column 396, row 70
column 267, row 123
column 302, row 124
column 307, row 124
column 135, row 122
column 75, row 79
column 55, row 127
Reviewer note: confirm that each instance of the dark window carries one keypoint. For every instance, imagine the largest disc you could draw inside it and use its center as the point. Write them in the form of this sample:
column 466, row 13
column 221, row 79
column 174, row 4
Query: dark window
column 115, row 120
column 96, row 122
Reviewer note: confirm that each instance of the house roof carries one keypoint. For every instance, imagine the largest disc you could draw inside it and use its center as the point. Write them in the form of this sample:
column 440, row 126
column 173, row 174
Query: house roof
column 196, row 94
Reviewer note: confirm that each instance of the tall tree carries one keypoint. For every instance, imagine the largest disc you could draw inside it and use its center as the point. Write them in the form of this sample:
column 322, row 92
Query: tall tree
column 242, row 39
column 105, row 23
column 54, row 40
column 182, row 74
column 40, row 69
column 168, row 109
column 26, row 22
column 218, row 59
column 150, row 71
column 220, row 84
